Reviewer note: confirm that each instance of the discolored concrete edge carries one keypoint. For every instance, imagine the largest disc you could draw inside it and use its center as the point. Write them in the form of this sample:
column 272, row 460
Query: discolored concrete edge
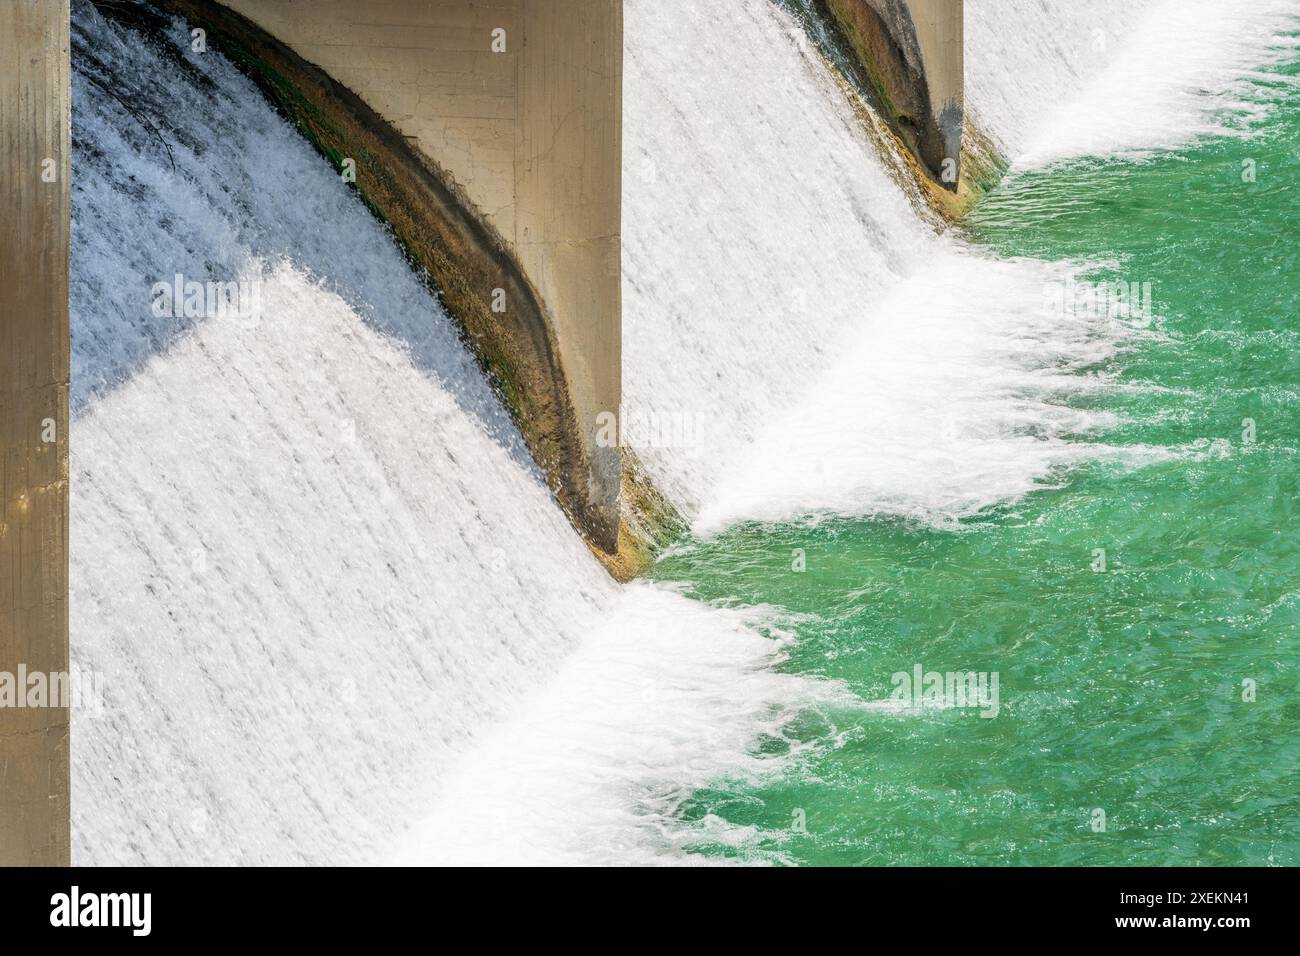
column 649, row 521
column 35, row 127
column 465, row 258
column 982, row 165
column 911, row 52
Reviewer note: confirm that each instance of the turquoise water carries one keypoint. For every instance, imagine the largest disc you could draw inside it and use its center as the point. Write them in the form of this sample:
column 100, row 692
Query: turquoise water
column 1121, row 690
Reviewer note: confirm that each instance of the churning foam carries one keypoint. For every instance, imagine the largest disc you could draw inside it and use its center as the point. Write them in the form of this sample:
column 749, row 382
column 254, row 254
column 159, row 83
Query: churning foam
column 666, row 695
column 955, row 396
column 1106, row 79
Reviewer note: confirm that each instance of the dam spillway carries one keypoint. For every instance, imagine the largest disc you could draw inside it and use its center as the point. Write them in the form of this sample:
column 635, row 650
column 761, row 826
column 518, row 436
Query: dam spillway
column 341, row 618
column 517, row 109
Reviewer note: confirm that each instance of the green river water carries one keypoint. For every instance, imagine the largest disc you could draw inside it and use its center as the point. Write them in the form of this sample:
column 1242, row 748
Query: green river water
column 1123, row 691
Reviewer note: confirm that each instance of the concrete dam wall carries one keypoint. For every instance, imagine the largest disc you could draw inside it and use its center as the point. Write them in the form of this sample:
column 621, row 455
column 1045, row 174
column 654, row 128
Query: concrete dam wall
column 912, row 53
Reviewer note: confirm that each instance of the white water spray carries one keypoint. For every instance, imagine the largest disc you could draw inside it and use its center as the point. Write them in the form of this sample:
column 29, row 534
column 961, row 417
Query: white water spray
column 337, row 611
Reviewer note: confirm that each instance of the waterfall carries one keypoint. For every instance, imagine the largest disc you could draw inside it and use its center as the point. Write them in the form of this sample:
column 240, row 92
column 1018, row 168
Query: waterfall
column 1057, row 80
column 781, row 287
column 337, row 612
column 310, row 555
column 311, row 558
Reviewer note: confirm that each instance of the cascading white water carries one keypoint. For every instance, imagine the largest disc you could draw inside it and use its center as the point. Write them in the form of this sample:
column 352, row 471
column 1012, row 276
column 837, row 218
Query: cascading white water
column 310, row 555
column 1052, row 80
column 780, row 286
column 1025, row 59
column 758, row 225
column 311, row 559
column 339, row 616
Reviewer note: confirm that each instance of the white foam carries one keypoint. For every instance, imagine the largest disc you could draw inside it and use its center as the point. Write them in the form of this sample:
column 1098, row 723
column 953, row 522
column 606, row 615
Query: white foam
column 955, row 396
column 1119, row 80
column 664, row 696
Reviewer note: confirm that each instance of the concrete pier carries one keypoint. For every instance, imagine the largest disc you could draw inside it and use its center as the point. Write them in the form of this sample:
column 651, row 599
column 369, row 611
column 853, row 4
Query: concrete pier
column 35, row 215
column 912, row 53
column 502, row 175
